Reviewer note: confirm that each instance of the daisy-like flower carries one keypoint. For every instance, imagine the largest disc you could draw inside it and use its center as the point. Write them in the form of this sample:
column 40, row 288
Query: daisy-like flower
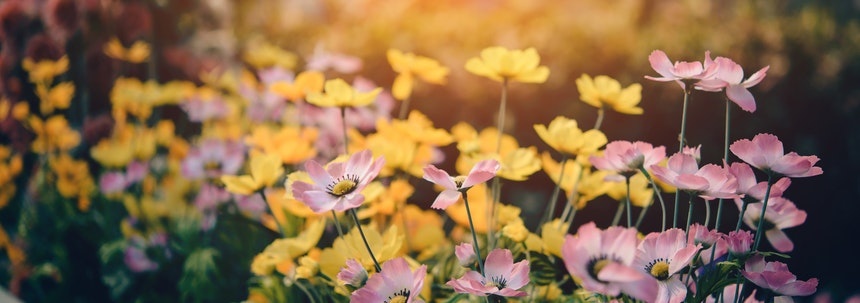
column 709, row 182
column 338, row 93
column 502, row 277
column 339, row 186
column 409, row 66
column 663, row 255
column 213, row 158
column 765, row 152
column 776, row 277
column 501, row 64
column 603, row 261
column 396, row 283
column 626, row 158
column 730, row 76
column 454, row 186
column 605, row 91
column 780, row 214
column 750, row 188
column 353, row 274
column 563, row 135
column 680, row 72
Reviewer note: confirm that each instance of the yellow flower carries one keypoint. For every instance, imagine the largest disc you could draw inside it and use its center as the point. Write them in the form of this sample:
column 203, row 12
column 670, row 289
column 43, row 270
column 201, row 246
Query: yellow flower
column 20, row 111
column 516, row 231
column 58, row 97
column 338, row 93
column 388, row 200
column 572, row 171
column 266, row 55
column 308, row 268
column 265, row 170
column 10, row 166
column 641, row 194
column 289, row 202
column 517, row 163
column 351, row 246
column 423, row 228
column 409, row 66
column 552, row 233
column 477, row 205
column 592, row 185
column 306, row 82
column 53, row 134
column 292, row 144
column 73, row 178
column 137, row 98
column 112, row 153
column 507, row 214
column 165, row 132
column 501, row 64
column 605, row 91
column 136, row 53
column 417, row 127
column 564, row 135
column 45, row 70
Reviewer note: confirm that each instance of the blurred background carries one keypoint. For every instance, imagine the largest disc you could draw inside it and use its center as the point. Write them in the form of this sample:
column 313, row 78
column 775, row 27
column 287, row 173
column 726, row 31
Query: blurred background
column 810, row 98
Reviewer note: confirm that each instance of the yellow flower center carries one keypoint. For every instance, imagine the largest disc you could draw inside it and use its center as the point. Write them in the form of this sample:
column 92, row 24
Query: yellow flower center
column 343, row 187
column 458, row 180
column 598, row 266
column 397, row 299
column 660, row 270
column 402, row 296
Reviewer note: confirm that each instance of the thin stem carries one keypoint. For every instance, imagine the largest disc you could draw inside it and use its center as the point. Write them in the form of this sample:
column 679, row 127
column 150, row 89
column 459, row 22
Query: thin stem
column 758, row 231
column 337, row 223
column 629, row 212
column 659, row 196
column 689, row 213
column 501, row 120
column 495, row 193
column 550, row 210
column 681, row 140
column 474, row 234
column 741, row 215
column 642, row 215
column 600, row 113
column 707, row 213
column 269, row 207
column 568, row 219
column 737, row 291
column 404, row 108
column 725, row 160
column 367, row 245
column 345, row 136
column 618, row 212
column 305, row 290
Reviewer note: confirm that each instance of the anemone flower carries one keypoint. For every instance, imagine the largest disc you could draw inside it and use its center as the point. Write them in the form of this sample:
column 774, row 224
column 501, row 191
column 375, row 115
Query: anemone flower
column 625, row 157
column 662, row 256
column 339, row 186
column 730, row 76
column 603, row 261
column 395, row 283
column 775, row 276
column 680, row 71
column 765, row 152
column 353, row 274
column 454, row 186
column 465, row 254
column 501, row 277
column 709, row 182
column 748, row 186
column 780, row 214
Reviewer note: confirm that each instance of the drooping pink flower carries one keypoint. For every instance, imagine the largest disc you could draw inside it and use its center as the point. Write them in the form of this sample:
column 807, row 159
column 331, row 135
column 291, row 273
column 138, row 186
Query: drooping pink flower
column 213, row 158
column 780, row 214
column 662, row 256
column 625, row 157
column 603, row 261
column 776, row 277
column 339, row 186
column 454, row 186
column 465, row 254
column 395, row 283
column 739, row 242
column 680, row 71
column 751, row 190
column 765, row 152
column 709, row 182
column 710, row 239
column 501, row 277
column 730, row 76
column 353, row 273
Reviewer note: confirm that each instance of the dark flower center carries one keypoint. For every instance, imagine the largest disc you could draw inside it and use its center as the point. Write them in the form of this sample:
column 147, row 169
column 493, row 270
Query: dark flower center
column 658, row 268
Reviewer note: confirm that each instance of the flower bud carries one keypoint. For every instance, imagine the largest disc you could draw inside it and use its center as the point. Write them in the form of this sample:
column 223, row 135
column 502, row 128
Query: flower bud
column 353, row 274
column 465, row 254
column 739, row 242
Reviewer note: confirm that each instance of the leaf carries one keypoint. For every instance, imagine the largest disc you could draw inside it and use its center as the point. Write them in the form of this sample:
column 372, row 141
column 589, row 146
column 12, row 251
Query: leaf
column 542, row 270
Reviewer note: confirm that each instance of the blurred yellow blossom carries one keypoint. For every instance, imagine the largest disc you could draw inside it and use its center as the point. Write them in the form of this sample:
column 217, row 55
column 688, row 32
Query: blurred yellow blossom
column 605, row 91
column 10, row 166
column 478, row 206
column 73, row 179
column 517, row 163
column 305, row 83
column 45, row 70
column 501, row 64
column 423, row 229
column 641, row 194
column 572, row 172
column 53, row 134
column 264, row 170
column 20, row 111
column 338, row 93
column 515, row 231
column 563, row 135
column 292, row 144
column 552, row 233
column 264, row 55
column 137, row 98
column 57, row 97
column 136, row 53
column 351, row 246
column 408, row 66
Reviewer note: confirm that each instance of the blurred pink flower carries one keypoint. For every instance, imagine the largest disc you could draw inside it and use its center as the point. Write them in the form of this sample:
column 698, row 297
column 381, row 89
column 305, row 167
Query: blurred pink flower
column 395, row 281
column 213, row 158
column 681, row 71
column 210, row 196
column 775, row 276
column 626, row 158
column 501, row 277
column 730, row 76
column 136, row 171
column 765, row 152
column 136, row 260
column 465, row 254
column 454, row 186
column 112, row 182
column 662, row 256
column 205, row 106
column 353, row 273
column 710, row 239
column 322, row 60
column 603, row 261
column 709, row 182
column 780, row 214
column 338, row 187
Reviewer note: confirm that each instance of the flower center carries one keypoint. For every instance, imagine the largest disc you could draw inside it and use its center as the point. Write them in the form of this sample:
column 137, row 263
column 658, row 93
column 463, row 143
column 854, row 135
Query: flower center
column 212, row 165
column 767, row 225
column 658, row 269
column 343, row 185
column 497, row 282
column 401, row 296
column 458, row 181
column 596, row 265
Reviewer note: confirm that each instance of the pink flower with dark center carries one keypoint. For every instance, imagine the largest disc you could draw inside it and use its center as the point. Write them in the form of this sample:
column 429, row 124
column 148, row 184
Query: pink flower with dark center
column 730, row 76
column 780, row 214
column 213, row 158
column 465, row 254
column 679, row 72
column 454, row 186
column 662, row 256
column 765, row 152
column 775, row 276
column 603, row 261
column 395, row 283
column 709, row 182
column 626, row 158
column 502, row 277
column 339, row 186
column 353, row 274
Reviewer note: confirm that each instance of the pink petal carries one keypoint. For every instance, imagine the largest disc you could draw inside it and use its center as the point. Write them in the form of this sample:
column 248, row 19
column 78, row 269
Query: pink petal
column 481, row 172
column 672, row 291
column 348, row 202
column 729, row 71
column 756, row 77
column 683, row 257
column 661, row 64
column 692, row 182
column 683, row 164
column 617, row 272
column 519, row 275
column 741, row 96
column 320, row 176
column 358, row 163
column 499, row 263
column 688, row 70
column 507, row 292
column 769, row 146
column 446, row 198
column 779, row 240
column 371, row 173
column 318, row 201
column 438, row 176
column 748, row 152
column 799, row 288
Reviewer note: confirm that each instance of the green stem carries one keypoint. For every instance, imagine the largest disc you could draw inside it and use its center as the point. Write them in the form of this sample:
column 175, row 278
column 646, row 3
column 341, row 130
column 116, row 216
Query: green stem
column 404, row 108
column 689, row 214
column 550, row 210
column 629, row 212
column 758, row 231
column 741, row 215
column 474, row 234
column 266, row 201
column 367, row 245
column 345, row 136
column 618, row 213
column 681, row 140
column 599, row 122
column 337, row 223
column 725, row 160
column 305, row 290
column 501, row 120
column 707, row 213
column 642, row 215
column 659, row 196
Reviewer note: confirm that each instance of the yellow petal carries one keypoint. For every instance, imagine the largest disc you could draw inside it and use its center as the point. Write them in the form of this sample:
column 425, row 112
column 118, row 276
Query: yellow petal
column 243, row 185
column 538, row 75
column 402, row 87
column 478, row 67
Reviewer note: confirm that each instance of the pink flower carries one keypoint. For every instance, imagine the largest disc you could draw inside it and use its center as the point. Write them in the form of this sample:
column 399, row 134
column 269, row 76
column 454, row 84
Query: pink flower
column 501, row 277
column 603, row 261
column 395, row 283
column 624, row 157
column 465, row 254
column 765, row 153
column 709, row 239
column 112, row 182
column 739, row 242
column 210, row 196
column 662, row 256
column 776, row 277
column 353, row 274
column 748, row 187
column 136, row 171
column 205, row 106
column 696, row 152
column 454, row 186
column 709, row 182
column 213, row 158
column 781, row 214
column 136, row 260
column 322, row 60
column 680, row 71
column 730, row 76
column 339, row 186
